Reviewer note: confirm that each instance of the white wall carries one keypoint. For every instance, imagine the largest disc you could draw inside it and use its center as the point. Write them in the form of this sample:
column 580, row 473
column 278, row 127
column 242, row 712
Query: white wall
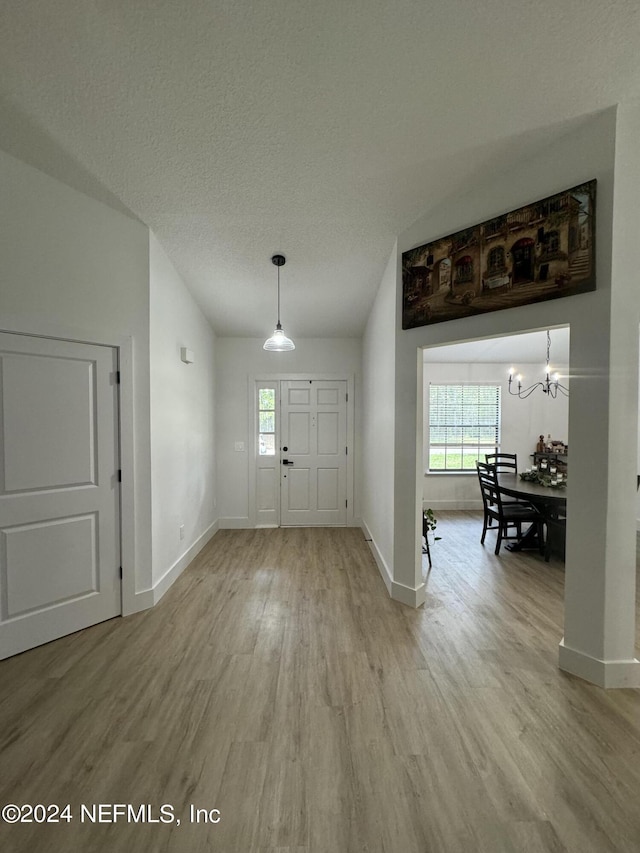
column 522, row 423
column 236, row 360
column 579, row 156
column 378, row 421
column 600, row 564
column 72, row 267
column 638, row 466
column 182, row 422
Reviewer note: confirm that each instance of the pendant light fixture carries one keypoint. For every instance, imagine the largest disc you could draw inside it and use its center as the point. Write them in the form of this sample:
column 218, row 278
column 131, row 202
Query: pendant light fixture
column 278, row 342
column 550, row 385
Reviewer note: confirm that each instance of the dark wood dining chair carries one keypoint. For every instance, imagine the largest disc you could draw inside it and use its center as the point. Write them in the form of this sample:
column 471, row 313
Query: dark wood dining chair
column 505, row 463
column 508, row 516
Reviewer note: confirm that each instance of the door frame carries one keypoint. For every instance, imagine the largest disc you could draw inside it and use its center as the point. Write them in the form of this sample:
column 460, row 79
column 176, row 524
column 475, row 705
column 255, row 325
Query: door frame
column 130, row 602
column 252, row 432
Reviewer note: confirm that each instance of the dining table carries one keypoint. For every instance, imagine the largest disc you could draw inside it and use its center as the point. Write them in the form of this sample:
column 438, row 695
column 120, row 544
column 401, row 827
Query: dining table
column 550, row 502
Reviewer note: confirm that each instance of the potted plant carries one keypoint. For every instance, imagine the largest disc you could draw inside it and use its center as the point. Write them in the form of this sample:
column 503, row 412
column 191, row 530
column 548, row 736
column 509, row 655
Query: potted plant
column 429, row 524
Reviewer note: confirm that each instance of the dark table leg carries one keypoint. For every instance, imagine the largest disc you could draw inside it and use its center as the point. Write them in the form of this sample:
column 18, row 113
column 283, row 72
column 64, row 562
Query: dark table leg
column 529, row 541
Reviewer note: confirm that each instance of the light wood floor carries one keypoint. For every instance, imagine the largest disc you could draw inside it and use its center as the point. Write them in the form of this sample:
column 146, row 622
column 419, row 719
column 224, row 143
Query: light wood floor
column 278, row 683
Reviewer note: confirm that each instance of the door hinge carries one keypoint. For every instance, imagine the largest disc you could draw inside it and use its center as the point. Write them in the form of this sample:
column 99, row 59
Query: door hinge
column 346, row 503
column 119, row 475
column 117, row 377
column 120, row 572
column 347, row 396
column 346, row 451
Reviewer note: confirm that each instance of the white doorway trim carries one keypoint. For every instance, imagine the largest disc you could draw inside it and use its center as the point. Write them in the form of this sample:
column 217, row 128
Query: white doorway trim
column 252, row 432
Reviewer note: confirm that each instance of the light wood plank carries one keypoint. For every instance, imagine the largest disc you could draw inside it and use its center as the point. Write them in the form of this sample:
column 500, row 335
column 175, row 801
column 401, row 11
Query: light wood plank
column 277, row 682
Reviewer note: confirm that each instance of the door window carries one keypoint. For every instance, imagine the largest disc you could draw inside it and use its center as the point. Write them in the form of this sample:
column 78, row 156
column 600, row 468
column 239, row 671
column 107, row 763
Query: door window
column 266, row 422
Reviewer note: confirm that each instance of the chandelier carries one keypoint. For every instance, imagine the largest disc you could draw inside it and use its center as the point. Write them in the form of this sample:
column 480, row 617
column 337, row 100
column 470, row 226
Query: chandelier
column 550, row 385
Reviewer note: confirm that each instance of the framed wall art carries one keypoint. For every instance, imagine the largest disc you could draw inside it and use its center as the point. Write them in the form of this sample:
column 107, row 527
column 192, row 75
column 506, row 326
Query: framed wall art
column 544, row 250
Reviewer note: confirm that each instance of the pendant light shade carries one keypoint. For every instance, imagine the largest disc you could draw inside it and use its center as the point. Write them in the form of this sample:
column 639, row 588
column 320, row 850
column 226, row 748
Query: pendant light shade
column 278, row 342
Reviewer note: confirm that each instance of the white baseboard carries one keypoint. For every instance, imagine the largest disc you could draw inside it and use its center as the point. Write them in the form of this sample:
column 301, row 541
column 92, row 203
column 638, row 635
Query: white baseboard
column 408, row 595
column 142, row 600
column 173, row 573
column 604, row 673
column 452, row 505
column 399, row 592
column 242, row 523
column 384, row 570
column 234, row 523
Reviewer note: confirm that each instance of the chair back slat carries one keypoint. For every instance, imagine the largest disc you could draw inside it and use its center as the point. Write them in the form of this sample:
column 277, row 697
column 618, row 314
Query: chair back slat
column 489, row 489
column 505, row 463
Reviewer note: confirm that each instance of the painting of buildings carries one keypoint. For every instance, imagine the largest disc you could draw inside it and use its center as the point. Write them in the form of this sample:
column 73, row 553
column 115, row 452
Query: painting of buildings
column 545, row 250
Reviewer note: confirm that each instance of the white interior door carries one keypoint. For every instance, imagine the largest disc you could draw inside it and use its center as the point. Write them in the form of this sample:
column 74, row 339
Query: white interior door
column 59, row 492
column 313, row 437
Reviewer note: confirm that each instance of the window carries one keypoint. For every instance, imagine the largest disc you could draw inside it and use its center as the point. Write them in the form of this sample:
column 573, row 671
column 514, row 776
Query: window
column 464, row 424
column 553, row 242
column 495, row 226
column 464, row 269
column 266, row 421
column 496, row 260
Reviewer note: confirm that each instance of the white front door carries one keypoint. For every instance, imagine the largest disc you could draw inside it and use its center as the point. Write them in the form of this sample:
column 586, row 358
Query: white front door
column 313, row 438
column 59, row 492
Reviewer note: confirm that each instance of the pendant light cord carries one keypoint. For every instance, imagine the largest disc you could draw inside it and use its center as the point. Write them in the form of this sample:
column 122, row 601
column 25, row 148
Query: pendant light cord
column 278, row 342
column 278, row 297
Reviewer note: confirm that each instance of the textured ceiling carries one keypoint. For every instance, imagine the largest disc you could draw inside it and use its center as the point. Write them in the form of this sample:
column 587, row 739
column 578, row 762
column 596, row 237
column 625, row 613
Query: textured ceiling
column 530, row 348
column 321, row 130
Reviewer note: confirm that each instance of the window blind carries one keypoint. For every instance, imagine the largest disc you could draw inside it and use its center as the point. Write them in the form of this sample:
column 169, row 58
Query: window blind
column 464, row 424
